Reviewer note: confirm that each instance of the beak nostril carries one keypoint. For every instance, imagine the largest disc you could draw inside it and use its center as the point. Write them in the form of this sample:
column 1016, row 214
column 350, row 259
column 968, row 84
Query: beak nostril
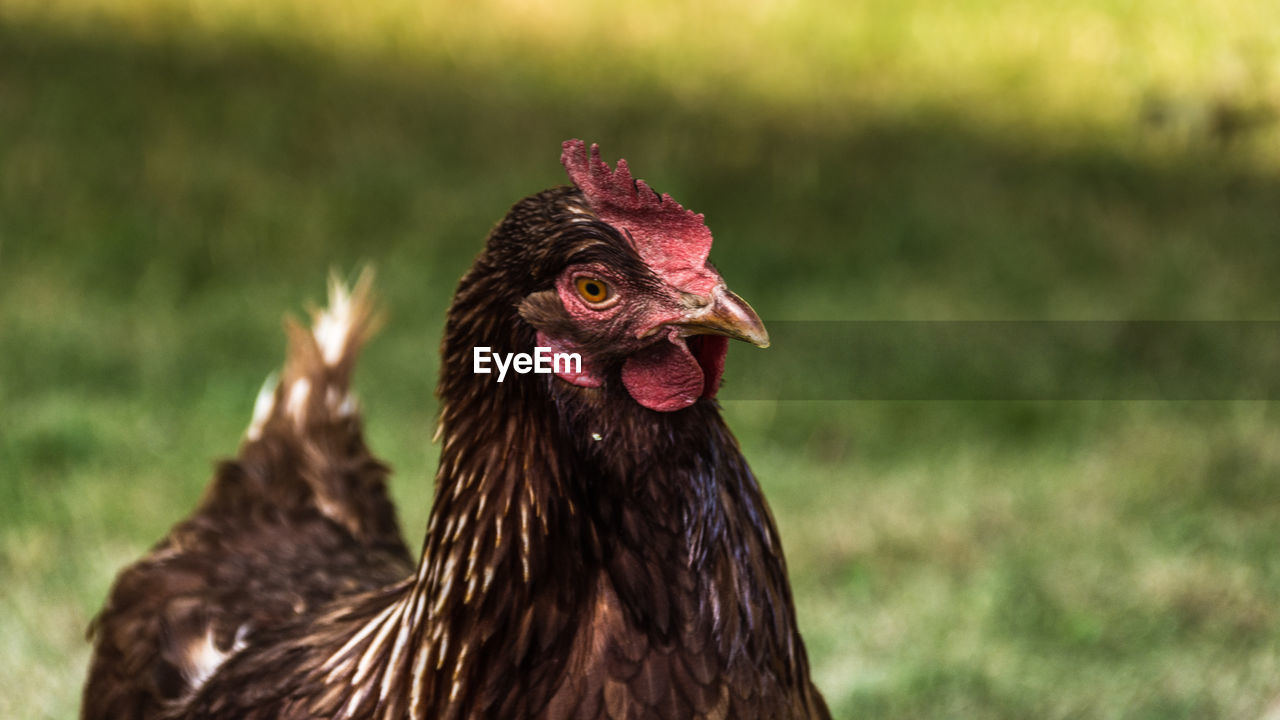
column 694, row 301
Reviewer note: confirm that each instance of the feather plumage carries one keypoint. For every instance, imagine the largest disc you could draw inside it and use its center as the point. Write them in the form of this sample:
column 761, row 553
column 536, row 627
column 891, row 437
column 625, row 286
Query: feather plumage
column 586, row 557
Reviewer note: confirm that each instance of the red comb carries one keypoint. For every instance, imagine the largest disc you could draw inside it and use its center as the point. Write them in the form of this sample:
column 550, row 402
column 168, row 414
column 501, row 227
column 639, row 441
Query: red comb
column 667, row 237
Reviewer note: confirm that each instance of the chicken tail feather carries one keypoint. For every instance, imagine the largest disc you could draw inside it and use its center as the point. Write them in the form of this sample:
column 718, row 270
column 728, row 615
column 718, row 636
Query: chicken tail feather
column 308, row 416
column 315, row 387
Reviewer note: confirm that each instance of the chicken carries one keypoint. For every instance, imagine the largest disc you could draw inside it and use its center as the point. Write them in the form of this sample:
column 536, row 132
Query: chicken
column 597, row 547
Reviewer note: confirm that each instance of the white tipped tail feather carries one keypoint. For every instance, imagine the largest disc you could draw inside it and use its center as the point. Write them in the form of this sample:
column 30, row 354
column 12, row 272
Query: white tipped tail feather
column 333, row 325
column 316, row 383
column 310, row 410
column 262, row 406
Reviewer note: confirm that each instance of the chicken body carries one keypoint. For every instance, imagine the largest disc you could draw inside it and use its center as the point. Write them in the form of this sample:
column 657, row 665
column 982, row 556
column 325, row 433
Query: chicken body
column 299, row 518
column 598, row 547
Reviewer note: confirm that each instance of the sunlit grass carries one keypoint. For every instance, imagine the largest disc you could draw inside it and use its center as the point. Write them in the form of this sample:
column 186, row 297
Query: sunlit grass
column 1192, row 69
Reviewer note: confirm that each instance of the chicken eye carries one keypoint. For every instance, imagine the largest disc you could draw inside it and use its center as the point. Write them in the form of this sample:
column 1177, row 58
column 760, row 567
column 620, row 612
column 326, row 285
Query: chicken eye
column 592, row 290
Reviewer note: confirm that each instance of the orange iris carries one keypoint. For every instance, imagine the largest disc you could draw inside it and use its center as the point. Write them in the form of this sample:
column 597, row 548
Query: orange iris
column 592, row 290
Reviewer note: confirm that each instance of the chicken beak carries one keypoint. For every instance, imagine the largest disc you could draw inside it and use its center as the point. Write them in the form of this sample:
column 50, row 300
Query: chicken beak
column 727, row 315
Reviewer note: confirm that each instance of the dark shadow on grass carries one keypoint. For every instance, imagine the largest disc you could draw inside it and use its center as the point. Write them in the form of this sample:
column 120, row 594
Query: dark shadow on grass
column 191, row 172
column 207, row 183
column 223, row 163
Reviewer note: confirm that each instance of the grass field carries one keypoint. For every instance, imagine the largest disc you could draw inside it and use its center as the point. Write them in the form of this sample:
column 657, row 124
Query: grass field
column 176, row 175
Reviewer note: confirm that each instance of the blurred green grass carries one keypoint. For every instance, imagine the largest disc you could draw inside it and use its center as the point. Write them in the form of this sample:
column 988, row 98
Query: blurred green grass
column 175, row 176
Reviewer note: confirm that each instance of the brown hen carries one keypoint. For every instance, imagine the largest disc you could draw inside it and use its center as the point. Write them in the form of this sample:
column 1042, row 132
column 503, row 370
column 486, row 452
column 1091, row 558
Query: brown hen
column 597, row 548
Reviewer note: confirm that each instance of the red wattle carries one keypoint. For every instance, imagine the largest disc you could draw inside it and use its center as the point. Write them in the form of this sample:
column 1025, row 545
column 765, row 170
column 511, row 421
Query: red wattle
column 664, row 376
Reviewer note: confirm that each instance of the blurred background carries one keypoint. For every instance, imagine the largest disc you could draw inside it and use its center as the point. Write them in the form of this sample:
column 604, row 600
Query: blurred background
column 176, row 175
